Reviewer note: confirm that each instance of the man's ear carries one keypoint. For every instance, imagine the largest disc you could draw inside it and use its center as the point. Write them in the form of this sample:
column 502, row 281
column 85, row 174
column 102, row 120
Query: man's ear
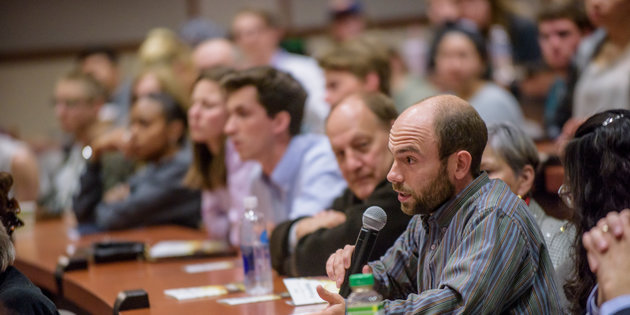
column 281, row 122
column 372, row 82
column 525, row 180
column 460, row 162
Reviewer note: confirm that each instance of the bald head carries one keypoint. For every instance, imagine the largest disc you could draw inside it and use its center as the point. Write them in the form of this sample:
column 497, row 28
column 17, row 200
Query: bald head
column 214, row 52
column 454, row 123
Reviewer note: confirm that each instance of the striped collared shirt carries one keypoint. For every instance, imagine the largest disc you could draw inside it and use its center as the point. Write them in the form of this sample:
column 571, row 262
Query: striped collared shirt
column 479, row 253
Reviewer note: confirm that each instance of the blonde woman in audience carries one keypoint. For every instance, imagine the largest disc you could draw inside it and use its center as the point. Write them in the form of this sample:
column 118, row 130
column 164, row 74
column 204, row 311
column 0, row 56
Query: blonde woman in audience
column 461, row 68
column 163, row 47
column 154, row 194
column 216, row 168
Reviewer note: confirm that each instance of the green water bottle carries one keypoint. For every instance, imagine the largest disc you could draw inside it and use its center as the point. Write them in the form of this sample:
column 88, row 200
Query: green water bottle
column 364, row 300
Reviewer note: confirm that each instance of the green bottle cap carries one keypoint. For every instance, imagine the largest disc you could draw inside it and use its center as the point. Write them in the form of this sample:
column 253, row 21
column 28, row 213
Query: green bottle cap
column 361, row 279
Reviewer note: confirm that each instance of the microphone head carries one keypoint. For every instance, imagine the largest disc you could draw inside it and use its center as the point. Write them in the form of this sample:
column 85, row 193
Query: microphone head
column 374, row 218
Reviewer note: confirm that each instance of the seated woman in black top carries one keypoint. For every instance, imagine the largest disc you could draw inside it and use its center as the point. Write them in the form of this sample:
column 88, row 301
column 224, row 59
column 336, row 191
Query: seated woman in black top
column 154, row 194
column 18, row 295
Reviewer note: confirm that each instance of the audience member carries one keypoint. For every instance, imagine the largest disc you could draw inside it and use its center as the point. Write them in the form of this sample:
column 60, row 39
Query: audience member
column 154, row 194
column 355, row 66
column 216, row 168
column 257, row 34
column 16, row 158
column 216, row 52
column 561, row 27
column 471, row 246
column 460, row 68
column 607, row 245
column 298, row 173
column 160, row 79
column 511, row 156
column 162, row 47
column 197, row 28
column 416, row 48
column 597, row 181
column 78, row 97
column 102, row 64
column 347, row 21
column 511, row 39
column 358, row 130
column 442, row 12
column 18, row 295
column 407, row 89
column 603, row 60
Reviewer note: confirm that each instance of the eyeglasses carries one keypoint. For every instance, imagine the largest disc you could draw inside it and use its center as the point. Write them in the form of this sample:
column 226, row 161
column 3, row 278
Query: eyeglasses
column 565, row 194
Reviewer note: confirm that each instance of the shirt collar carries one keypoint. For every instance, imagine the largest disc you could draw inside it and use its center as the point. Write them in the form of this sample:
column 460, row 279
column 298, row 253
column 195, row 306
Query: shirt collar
column 445, row 213
column 283, row 175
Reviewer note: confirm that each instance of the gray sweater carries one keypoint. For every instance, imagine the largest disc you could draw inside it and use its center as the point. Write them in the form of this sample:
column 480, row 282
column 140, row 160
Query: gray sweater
column 156, row 196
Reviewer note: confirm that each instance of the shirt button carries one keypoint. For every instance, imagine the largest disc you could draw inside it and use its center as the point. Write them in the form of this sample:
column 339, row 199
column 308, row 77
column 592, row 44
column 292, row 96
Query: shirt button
column 433, row 247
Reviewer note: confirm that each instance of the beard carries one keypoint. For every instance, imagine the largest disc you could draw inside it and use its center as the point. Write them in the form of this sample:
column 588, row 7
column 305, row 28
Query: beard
column 430, row 197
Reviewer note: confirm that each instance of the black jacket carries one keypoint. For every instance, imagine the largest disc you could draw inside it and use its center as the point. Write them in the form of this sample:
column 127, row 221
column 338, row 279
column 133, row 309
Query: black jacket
column 157, row 196
column 18, row 295
column 312, row 250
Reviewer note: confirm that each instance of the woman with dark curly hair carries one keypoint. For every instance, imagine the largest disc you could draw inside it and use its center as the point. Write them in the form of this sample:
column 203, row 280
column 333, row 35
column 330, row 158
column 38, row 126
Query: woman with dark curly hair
column 597, row 181
column 18, row 295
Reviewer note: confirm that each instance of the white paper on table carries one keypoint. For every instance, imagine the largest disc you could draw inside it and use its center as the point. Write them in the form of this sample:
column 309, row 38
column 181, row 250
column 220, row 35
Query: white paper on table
column 196, row 292
column 196, row 268
column 303, row 291
column 250, row 299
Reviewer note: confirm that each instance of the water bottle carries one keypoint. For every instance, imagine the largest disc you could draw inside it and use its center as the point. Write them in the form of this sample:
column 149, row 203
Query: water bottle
column 255, row 250
column 364, row 300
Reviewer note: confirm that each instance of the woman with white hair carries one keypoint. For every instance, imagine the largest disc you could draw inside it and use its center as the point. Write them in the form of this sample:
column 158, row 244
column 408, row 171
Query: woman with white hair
column 511, row 156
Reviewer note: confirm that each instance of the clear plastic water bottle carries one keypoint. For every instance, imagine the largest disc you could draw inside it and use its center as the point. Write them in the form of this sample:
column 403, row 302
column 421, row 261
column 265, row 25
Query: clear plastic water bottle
column 255, row 250
column 364, row 300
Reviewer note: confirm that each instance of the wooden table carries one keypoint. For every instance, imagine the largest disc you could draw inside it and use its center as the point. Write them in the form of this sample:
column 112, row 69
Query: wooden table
column 95, row 289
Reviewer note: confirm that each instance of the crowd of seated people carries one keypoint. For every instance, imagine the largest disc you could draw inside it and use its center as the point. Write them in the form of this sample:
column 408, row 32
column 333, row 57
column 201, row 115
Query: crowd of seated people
column 448, row 152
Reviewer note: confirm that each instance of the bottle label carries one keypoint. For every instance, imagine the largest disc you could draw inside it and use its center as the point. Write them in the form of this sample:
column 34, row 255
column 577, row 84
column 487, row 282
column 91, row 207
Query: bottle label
column 264, row 239
column 369, row 309
column 248, row 258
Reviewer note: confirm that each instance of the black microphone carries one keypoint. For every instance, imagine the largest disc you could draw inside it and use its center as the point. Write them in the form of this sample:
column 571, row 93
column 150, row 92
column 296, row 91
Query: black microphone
column 374, row 219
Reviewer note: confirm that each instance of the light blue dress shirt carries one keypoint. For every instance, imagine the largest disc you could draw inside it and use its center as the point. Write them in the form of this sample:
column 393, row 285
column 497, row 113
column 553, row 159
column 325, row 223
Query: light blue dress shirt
column 609, row 307
column 305, row 181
